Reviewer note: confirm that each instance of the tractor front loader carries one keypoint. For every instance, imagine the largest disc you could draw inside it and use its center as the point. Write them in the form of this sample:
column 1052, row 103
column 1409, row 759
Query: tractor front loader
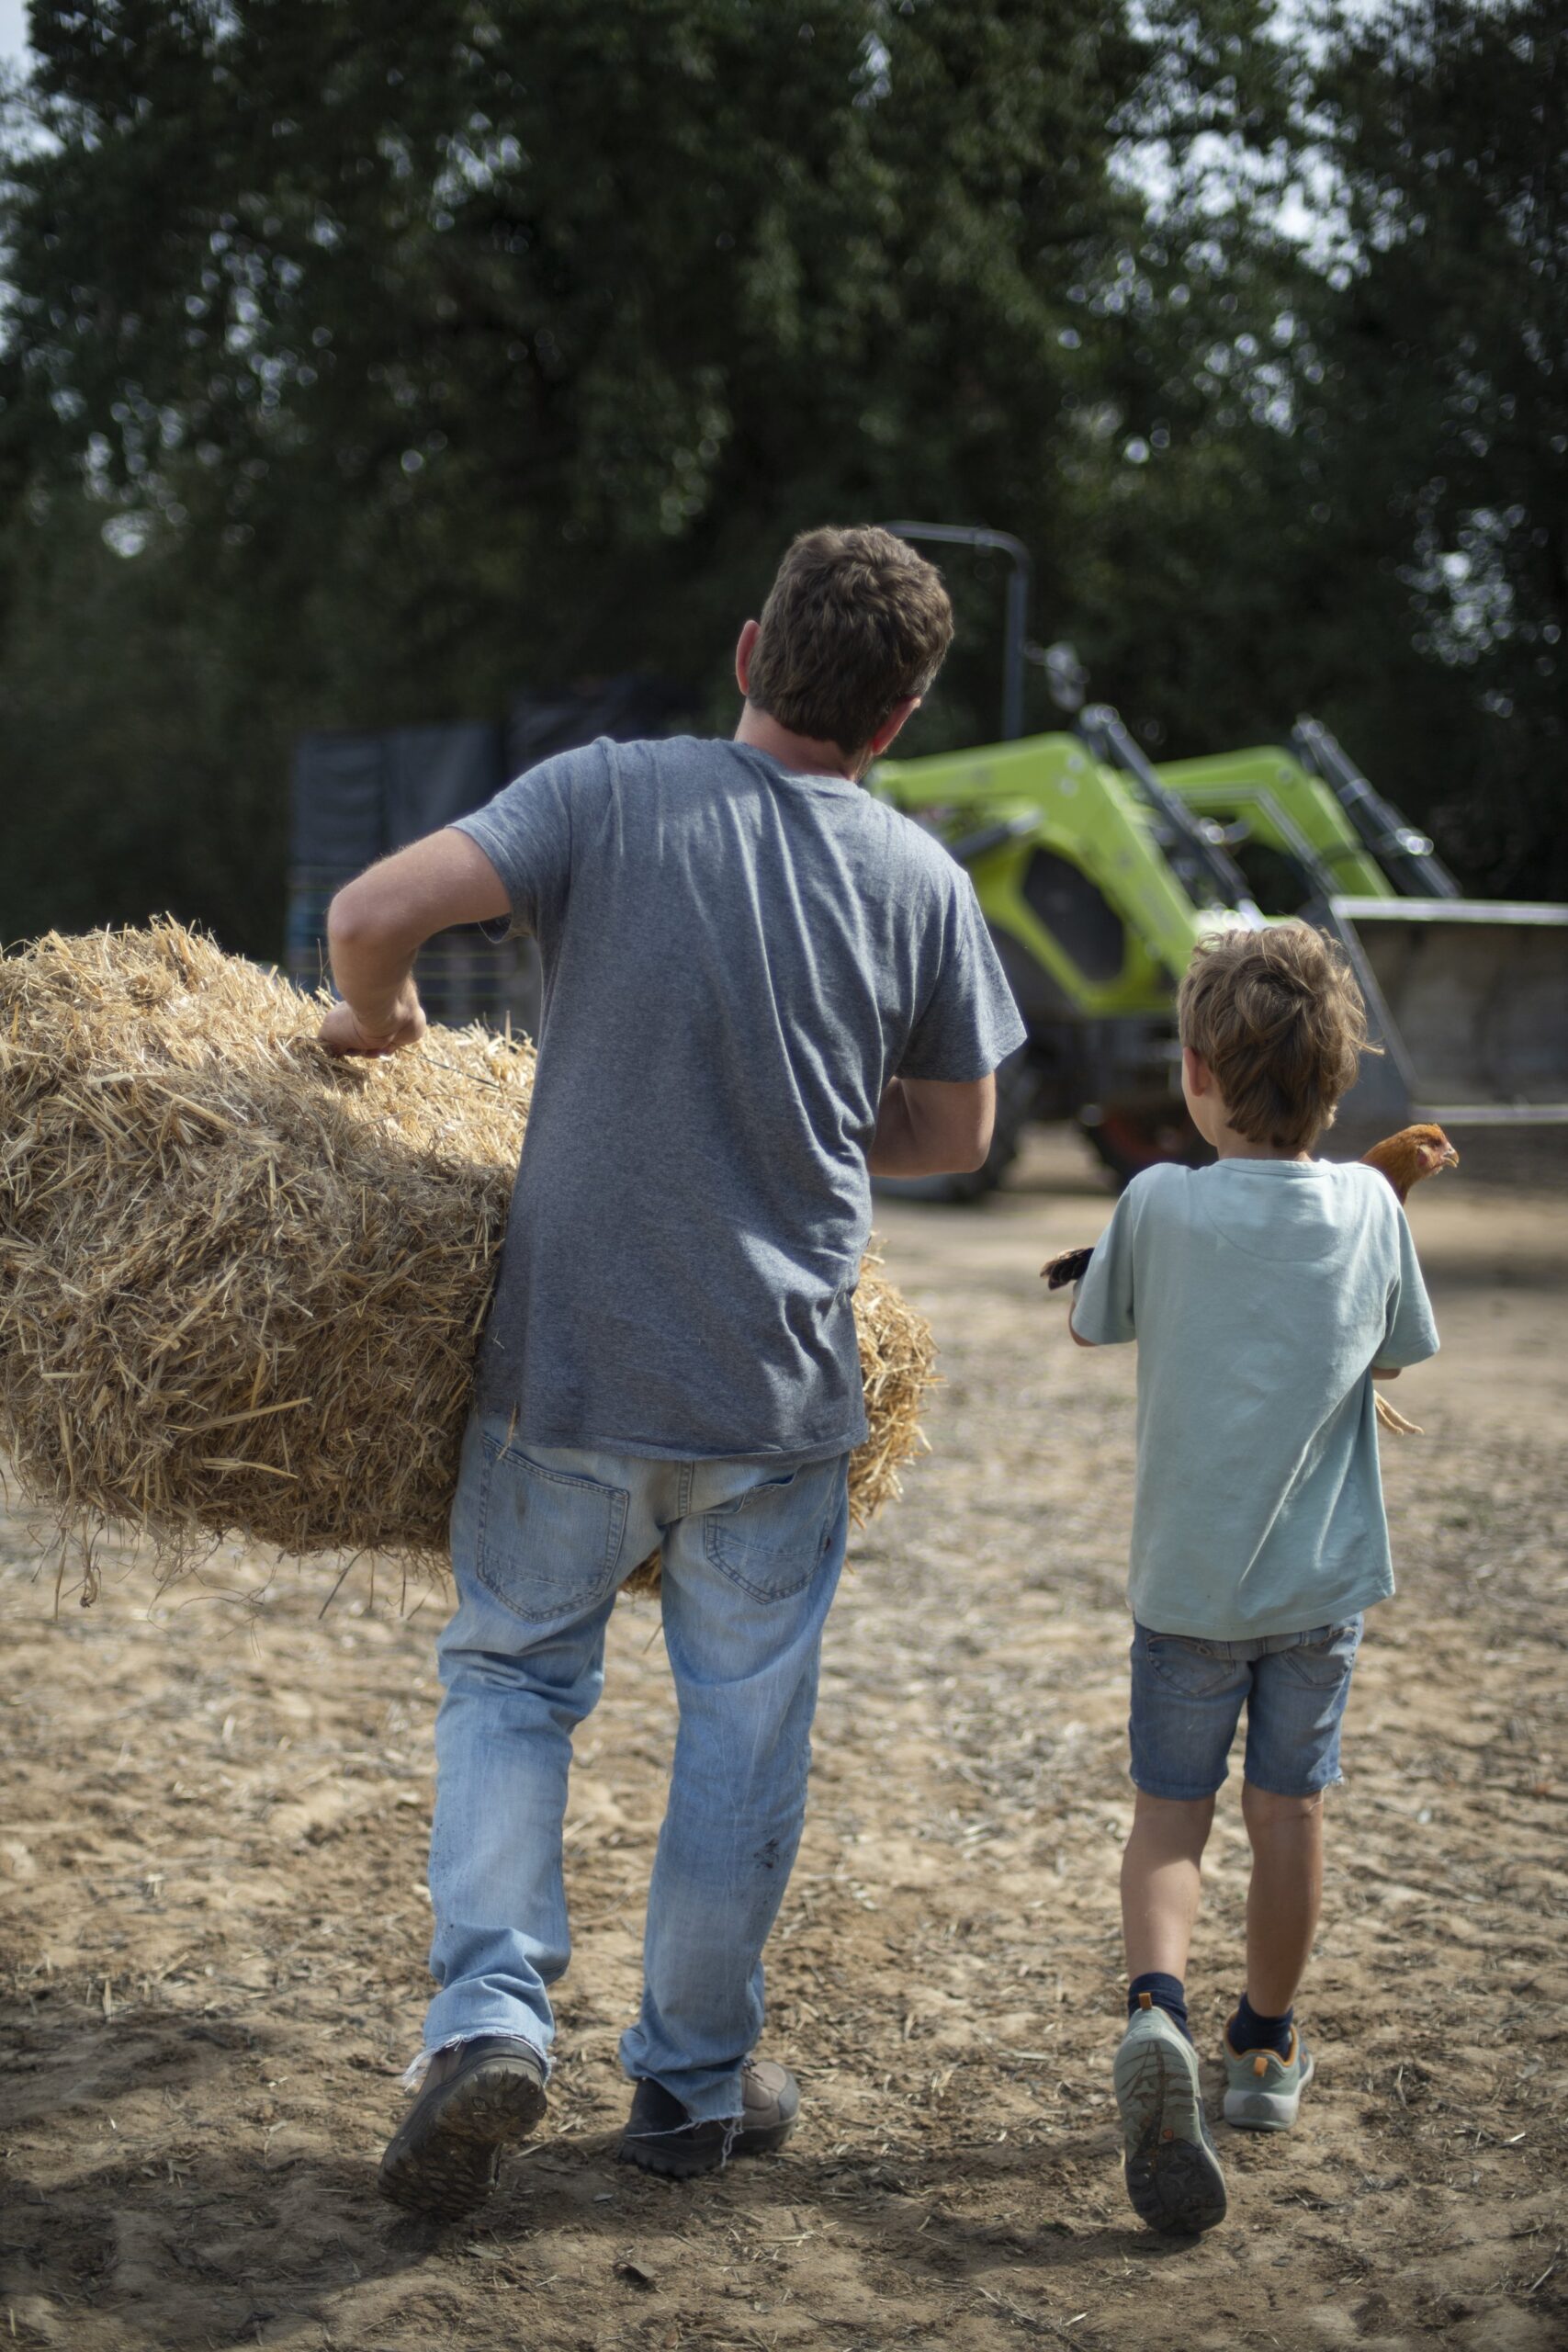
column 1466, row 996
column 1095, row 892
column 1098, row 872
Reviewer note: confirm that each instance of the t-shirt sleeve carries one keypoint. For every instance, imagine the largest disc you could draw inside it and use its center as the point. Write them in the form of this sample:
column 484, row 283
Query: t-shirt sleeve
column 969, row 1022
column 527, row 833
column 1103, row 1301
column 1410, row 1334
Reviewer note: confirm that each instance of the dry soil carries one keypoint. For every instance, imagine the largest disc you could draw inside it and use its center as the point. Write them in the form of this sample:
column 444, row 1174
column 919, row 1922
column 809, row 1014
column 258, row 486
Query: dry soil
column 211, row 1858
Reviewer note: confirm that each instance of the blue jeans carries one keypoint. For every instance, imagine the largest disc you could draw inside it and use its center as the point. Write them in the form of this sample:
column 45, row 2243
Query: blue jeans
column 542, row 1539
column 1187, row 1701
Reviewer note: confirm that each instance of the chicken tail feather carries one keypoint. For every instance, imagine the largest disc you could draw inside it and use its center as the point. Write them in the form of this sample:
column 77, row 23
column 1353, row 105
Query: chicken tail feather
column 1066, row 1266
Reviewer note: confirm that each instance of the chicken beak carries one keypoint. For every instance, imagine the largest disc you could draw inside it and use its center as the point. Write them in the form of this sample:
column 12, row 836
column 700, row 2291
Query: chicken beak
column 1450, row 1158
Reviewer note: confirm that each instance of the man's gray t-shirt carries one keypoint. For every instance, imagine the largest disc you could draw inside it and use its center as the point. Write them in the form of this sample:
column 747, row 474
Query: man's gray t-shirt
column 738, row 957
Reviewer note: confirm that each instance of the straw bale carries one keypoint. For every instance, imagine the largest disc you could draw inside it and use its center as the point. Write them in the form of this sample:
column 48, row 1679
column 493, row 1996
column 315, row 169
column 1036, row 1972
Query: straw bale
column 241, row 1283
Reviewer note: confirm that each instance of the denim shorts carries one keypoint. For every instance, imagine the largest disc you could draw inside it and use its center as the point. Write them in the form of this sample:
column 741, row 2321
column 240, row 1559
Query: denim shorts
column 1188, row 1696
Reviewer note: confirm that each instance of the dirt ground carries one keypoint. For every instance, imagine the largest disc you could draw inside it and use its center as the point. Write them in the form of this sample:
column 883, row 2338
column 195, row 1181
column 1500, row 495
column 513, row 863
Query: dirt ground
column 212, row 1854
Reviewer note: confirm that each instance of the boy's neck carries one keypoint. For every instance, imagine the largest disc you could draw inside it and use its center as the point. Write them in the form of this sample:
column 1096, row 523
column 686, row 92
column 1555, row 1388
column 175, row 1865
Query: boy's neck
column 1228, row 1145
column 1209, row 1111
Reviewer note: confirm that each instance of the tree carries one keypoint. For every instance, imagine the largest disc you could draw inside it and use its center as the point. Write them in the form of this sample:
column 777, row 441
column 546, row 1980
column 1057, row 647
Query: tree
column 407, row 354
column 491, row 325
column 1360, row 502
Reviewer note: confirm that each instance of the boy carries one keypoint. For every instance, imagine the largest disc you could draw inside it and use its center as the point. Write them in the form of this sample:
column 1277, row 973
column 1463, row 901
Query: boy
column 1265, row 1294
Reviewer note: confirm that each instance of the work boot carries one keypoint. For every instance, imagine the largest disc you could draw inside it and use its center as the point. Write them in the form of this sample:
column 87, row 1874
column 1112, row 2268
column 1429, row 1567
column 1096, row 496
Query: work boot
column 661, row 2137
column 479, row 2097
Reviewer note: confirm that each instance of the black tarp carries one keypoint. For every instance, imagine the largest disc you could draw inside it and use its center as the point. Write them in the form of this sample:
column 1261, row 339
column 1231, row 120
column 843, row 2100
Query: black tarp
column 629, row 709
column 355, row 796
column 339, row 804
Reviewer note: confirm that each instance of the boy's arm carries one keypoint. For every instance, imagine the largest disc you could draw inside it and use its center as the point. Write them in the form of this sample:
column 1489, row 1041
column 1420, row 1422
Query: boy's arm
column 1410, row 1334
column 1102, row 1314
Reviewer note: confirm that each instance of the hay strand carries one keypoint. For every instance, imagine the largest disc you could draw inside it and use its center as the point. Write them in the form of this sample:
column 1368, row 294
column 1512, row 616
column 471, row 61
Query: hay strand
column 241, row 1283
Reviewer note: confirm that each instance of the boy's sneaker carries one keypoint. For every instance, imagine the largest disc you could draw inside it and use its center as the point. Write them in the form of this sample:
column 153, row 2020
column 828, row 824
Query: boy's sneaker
column 1173, row 2175
column 1263, row 2091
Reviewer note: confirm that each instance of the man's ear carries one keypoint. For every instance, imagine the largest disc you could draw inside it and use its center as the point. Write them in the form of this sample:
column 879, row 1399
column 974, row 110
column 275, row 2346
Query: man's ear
column 1200, row 1077
column 746, row 645
column 891, row 724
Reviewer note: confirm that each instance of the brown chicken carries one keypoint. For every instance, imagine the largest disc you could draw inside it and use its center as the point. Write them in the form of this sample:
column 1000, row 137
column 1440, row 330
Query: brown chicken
column 1403, row 1159
column 1413, row 1153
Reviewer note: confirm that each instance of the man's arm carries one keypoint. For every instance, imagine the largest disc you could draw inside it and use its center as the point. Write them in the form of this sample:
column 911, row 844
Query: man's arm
column 933, row 1127
column 377, row 924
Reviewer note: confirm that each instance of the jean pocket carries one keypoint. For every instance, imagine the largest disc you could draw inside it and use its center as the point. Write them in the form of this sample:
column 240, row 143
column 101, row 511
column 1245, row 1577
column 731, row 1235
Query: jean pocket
column 1323, row 1658
column 549, row 1542
column 772, row 1540
column 1196, row 1669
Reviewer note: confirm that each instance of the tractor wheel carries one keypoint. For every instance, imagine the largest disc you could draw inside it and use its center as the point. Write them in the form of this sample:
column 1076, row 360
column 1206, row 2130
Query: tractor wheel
column 1132, row 1137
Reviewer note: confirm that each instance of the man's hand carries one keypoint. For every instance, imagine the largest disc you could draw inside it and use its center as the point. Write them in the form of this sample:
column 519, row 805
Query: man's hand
column 342, row 1031
column 376, row 925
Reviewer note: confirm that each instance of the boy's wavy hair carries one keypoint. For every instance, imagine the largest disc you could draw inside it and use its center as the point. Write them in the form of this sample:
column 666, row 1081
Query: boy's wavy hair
column 855, row 622
column 1279, row 1020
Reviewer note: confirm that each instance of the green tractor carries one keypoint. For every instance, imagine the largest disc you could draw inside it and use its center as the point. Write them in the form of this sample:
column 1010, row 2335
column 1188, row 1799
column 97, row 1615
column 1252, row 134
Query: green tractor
column 1099, row 872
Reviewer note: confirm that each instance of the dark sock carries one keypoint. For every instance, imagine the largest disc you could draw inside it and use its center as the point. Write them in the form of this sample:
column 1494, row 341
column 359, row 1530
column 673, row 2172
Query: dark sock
column 1248, row 2031
column 1166, row 1993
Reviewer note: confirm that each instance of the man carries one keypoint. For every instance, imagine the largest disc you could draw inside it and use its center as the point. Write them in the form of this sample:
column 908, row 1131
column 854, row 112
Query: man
column 761, row 987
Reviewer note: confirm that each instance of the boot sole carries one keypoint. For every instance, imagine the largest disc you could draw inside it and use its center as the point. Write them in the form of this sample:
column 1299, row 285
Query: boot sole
column 676, row 2162
column 1174, row 2181
column 445, row 2163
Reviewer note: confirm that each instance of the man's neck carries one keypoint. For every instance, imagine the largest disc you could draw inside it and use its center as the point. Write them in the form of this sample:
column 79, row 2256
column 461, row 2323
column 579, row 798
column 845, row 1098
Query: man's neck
column 804, row 752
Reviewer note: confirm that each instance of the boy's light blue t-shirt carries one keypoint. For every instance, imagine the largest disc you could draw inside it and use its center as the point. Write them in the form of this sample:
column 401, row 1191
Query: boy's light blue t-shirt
column 737, row 960
column 1261, row 1293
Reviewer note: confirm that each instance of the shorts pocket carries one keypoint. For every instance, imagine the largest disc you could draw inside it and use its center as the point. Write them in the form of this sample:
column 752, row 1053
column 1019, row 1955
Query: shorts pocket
column 549, row 1542
column 1323, row 1658
column 1196, row 1669
column 772, row 1540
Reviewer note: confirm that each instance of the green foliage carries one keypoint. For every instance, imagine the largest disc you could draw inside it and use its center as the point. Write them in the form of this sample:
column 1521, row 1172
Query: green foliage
column 1363, row 506
column 409, row 354
column 144, row 766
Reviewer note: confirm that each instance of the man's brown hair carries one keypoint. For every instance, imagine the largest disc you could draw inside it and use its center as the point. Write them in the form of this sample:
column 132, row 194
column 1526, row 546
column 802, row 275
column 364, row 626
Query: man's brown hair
column 855, row 622
column 1278, row 1017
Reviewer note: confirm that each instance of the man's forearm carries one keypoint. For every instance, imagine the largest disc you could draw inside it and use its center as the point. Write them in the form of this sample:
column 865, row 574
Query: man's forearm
column 932, row 1129
column 372, row 970
column 377, row 924
column 893, row 1146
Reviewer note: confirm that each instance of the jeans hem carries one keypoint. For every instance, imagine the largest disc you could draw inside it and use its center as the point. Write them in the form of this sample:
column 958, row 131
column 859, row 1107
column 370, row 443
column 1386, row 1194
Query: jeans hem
column 1177, row 1796
column 417, row 2068
column 725, row 2107
column 1317, row 1788
column 722, row 2102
